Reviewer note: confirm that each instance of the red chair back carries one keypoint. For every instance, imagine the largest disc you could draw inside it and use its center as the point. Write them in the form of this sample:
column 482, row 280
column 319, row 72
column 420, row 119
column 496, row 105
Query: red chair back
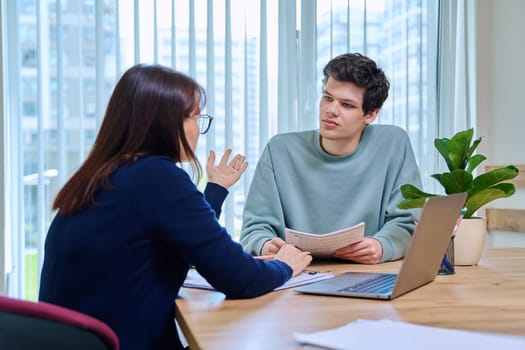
column 39, row 325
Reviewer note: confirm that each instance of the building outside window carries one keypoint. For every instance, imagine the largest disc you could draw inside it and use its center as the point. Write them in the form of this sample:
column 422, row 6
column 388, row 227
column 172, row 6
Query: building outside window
column 71, row 54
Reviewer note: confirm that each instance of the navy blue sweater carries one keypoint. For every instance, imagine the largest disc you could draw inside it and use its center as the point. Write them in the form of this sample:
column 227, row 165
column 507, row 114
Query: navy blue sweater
column 124, row 258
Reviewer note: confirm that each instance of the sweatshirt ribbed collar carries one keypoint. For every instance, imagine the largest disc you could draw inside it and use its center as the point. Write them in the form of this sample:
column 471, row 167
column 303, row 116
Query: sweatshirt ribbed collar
column 316, row 143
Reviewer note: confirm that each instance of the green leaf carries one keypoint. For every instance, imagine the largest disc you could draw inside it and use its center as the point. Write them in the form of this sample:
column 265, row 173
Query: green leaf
column 438, row 177
column 488, row 195
column 458, row 149
column 441, row 146
column 474, row 161
column 411, row 203
column 493, row 177
column 410, row 191
column 413, row 197
column 456, row 181
column 472, row 148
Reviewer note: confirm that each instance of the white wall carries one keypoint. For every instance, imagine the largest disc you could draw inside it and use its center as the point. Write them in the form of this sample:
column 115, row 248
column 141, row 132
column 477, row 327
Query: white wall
column 2, row 165
column 501, row 79
column 501, row 94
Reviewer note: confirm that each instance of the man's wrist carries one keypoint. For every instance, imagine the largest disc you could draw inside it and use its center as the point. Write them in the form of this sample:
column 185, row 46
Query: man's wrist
column 261, row 251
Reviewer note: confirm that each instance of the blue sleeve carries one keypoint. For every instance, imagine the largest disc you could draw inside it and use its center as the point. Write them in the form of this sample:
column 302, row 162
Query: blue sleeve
column 215, row 195
column 182, row 218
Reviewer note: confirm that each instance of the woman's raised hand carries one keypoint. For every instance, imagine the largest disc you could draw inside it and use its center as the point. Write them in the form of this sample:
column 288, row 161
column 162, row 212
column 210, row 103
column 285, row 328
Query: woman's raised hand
column 225, row 174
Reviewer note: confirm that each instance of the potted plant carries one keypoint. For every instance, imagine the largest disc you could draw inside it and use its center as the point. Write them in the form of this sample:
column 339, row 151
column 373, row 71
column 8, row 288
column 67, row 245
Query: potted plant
column 458, row 153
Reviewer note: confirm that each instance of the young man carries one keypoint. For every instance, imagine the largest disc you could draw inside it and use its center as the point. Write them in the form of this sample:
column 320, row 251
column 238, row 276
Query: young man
column 348, row 171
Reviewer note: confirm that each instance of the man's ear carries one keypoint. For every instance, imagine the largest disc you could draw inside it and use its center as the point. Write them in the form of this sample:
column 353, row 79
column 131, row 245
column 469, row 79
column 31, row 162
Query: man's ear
column 370, row 117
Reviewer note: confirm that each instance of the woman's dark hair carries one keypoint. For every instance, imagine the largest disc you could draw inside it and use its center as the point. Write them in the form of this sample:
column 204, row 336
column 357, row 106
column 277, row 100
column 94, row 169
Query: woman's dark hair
column 363, row 72
column 144, row 116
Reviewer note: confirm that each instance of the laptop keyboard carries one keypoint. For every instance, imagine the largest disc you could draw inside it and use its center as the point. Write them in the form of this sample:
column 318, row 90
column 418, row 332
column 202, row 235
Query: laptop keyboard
column 378, row 284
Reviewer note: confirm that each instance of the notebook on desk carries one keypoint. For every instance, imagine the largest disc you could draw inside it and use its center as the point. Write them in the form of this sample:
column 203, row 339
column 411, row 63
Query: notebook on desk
column 420, row 265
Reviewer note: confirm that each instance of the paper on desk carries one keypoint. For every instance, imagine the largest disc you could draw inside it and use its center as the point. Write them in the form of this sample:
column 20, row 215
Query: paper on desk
column 324, row 245
column 195, row 280
column 392, row 335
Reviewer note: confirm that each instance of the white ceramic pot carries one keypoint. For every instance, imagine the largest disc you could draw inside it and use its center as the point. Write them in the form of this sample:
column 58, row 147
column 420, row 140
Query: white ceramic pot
column 469, row 241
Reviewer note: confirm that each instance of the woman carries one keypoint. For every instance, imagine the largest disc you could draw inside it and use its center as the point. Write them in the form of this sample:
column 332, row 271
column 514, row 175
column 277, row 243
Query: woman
column 130, row 221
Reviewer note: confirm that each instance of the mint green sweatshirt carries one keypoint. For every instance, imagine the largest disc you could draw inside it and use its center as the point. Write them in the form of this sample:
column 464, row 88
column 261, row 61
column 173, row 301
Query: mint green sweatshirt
column 298, row 185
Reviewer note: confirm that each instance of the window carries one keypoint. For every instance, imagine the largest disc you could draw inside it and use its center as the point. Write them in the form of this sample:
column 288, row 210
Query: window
column 259, row 60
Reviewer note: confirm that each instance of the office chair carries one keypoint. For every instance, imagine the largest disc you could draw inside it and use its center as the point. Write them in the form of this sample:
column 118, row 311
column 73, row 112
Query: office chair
column 28, row 325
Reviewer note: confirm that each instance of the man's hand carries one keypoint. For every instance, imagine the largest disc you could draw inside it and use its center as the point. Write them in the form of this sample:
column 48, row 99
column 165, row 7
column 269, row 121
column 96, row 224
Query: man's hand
column 367, row 251
column 225, row 174
column 272, row 246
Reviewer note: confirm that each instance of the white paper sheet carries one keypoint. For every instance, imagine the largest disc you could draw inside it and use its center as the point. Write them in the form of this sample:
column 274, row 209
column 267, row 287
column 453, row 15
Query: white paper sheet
column 195, row 280
column 324, row 245
column 393, row 335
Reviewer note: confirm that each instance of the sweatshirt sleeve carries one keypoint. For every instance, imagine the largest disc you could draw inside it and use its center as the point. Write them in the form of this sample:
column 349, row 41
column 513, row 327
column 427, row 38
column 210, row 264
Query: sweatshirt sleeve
column 182, row 218
column 262, row 215
column 399, row 224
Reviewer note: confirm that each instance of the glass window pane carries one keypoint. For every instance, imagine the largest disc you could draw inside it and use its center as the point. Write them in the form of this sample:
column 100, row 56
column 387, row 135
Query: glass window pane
column 68, row 71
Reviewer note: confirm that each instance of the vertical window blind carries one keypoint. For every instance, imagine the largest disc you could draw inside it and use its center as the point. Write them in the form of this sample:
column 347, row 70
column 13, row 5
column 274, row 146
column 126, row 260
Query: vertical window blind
column 260, row 62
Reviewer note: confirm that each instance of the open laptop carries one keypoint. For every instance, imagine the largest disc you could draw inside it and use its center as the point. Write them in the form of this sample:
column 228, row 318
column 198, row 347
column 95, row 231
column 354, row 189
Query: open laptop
column 420, row 265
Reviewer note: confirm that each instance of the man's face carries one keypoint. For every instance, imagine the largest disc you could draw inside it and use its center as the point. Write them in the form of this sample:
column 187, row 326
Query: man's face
column 342, row 119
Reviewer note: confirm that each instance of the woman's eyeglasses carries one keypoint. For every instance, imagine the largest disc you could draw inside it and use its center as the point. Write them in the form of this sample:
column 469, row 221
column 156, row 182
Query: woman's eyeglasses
column 204, row 122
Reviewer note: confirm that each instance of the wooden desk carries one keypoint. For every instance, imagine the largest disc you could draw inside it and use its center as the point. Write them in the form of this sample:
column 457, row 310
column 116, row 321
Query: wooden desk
column 489, row 297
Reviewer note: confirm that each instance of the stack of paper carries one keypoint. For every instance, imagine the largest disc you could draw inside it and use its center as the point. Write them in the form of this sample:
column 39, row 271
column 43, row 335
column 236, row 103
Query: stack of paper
column 391, row 335
column 195, row 280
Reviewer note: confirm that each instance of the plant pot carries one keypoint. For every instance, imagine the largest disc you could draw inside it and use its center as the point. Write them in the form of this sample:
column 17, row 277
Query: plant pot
column 469, row 241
